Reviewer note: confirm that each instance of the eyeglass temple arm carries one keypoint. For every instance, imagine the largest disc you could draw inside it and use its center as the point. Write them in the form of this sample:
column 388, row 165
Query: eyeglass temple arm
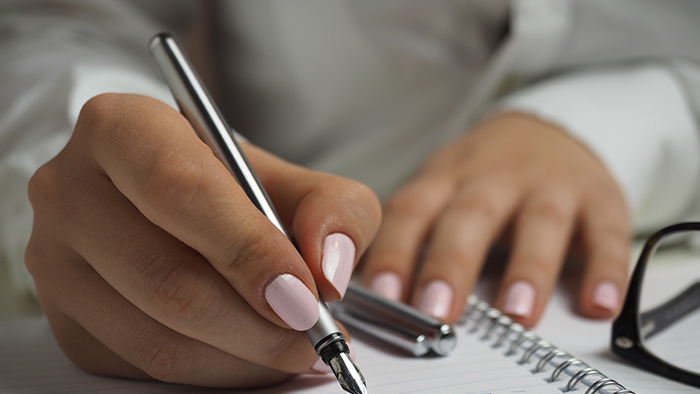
column 664, row 315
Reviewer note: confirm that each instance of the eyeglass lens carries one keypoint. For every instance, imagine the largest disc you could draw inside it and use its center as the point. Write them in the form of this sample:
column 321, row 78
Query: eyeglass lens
column 669, row 315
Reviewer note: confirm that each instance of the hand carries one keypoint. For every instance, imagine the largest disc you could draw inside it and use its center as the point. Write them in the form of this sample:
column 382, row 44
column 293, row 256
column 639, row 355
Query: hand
column 511, row 170
column 150, row 261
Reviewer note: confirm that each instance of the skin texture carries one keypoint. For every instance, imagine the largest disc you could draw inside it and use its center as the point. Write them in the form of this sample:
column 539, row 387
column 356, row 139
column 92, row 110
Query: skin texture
column 150, row 261
column 517, row 175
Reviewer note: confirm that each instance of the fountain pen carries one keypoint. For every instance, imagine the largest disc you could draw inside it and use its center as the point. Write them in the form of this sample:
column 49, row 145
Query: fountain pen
column 197, row 106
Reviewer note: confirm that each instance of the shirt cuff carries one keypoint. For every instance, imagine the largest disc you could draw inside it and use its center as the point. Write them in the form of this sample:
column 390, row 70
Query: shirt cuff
column 636, row 119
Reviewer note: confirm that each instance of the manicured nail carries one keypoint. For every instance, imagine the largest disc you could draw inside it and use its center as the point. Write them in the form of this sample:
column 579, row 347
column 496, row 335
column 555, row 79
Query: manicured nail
column 436, row 299
column 338, row 260
column 606, row 296
column 520, row 299
column 388, row 285
column 292, row 301
column 321, row 367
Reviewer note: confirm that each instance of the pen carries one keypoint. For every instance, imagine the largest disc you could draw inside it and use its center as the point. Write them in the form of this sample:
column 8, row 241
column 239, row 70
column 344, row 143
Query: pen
column 206, row 119
column 394, row 323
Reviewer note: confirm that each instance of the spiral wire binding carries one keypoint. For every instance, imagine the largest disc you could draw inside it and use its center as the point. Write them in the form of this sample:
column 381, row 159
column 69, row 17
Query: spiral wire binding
column 480, row 317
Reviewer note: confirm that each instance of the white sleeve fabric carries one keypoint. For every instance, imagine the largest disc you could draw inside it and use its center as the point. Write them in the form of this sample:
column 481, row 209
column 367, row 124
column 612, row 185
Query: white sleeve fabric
column 55, row 57
column 637, row 119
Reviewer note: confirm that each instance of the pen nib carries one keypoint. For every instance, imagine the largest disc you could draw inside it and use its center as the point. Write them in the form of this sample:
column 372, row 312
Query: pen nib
column 349, row 377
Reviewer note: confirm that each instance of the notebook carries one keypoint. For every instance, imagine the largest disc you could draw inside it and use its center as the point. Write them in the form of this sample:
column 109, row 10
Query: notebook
column 486, row 361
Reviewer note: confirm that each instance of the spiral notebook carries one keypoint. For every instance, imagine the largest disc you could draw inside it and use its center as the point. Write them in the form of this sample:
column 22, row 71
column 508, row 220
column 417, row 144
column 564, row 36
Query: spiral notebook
column 494, row 356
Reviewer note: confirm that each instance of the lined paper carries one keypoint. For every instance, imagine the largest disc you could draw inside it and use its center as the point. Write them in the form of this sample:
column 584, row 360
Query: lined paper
column 31, row 362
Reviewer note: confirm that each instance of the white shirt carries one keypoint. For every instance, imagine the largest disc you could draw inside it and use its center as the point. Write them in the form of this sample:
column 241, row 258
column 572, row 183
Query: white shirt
column 369, row 89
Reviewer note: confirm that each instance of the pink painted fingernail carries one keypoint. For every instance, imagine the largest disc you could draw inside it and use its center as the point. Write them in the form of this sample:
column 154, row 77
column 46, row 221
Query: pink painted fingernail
column 292, row 301
column 338, row 261
column 321, row 367
column 520, row 299
column 436, row 299
column 606, row 296
column 388, row 285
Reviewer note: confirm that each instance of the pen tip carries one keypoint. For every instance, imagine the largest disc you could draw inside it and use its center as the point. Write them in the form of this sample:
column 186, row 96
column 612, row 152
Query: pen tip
column 348, row 375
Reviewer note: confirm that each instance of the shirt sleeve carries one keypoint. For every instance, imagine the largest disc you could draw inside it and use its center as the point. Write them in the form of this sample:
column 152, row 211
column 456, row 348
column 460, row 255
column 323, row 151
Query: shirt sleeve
column 56, row 56
column 638, row 120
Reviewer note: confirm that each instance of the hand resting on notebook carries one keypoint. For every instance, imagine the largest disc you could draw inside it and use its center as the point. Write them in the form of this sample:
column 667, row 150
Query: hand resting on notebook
column 150, row 261
column 512, row 174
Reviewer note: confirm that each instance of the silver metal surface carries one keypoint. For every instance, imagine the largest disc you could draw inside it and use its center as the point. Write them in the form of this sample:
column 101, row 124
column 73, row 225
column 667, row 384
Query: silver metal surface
column 343, row 367
column 394, row 322
column 415, row 344
column 324, row 327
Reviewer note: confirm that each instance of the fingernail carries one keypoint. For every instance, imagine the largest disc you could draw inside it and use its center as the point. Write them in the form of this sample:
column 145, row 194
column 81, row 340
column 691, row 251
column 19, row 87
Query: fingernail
column 321, row 367
column 292, row 301
column 520, row 299
column 388, row 285
column 436, row 299
column 338, row 260
column 606, row 296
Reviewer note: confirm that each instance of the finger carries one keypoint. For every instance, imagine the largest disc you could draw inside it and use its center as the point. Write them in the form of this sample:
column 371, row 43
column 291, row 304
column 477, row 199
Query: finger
column 85, row 351
column 542, row 235
column 154, row 158
column 408, row 217
column 164, row 278
column 130, row 344
column 333, row 219
column 607, row 241
column 460, row 242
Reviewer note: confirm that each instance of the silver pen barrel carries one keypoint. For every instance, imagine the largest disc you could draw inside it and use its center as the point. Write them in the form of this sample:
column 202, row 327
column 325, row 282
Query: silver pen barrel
column 394, row 322
column 198, row 107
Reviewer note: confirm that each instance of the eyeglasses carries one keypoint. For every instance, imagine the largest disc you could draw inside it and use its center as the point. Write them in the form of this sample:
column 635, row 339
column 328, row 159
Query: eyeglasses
column 659, row 326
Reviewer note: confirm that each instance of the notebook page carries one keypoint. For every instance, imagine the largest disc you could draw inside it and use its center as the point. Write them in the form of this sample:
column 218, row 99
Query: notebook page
column 30, row 362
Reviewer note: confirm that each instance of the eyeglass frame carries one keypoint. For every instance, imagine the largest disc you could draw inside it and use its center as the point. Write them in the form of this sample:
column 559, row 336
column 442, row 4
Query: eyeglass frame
column 627, row 340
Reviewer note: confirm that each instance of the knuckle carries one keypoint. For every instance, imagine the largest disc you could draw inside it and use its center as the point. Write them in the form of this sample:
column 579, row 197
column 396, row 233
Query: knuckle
column 183, row 292
column 98, row 106
column 477, row 201
column 411, row 202
column 97, row 114
column 289, row 353
column 44, row 186
column 33, row 258
column 164, row 355
column 548, row 212
column 173, row 181
column 247, row 249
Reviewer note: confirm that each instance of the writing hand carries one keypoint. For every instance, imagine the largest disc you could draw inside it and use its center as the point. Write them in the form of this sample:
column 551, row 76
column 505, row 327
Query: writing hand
column 150, row 261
